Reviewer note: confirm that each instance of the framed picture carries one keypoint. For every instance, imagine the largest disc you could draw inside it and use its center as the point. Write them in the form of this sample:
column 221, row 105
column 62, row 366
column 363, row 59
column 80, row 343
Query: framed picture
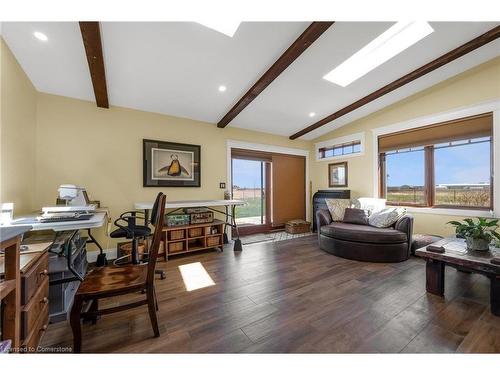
column 171, row 164
column 337, row 174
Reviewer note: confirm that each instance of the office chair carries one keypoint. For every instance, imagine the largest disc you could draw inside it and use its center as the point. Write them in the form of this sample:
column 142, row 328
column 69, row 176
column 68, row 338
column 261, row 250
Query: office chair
column 128, row 228
column 112, row 281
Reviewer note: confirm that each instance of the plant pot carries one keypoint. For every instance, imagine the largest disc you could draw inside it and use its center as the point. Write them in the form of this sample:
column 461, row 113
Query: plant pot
column 477, row 244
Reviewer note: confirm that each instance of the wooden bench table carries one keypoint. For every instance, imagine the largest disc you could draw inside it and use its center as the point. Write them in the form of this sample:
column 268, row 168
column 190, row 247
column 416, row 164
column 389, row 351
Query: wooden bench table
column 456, row 255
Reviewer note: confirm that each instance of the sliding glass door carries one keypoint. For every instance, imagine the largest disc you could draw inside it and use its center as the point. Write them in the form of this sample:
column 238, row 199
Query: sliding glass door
column 250, row 184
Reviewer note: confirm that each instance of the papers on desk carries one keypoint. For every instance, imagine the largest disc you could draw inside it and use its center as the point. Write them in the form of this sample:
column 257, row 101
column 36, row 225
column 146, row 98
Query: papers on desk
column 96, row 220
column 58, row 209
column 63, row 216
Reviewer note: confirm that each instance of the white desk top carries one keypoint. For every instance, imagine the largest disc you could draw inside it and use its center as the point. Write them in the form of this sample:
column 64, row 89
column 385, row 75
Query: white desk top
column 96, row 221
column 191, row 203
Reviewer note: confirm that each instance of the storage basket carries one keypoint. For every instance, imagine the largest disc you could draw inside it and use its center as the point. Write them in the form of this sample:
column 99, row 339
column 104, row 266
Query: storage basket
column 213, row 241
column 176, row 234
column 175, row 247
column 125, row 248
column 195, row 232
column 297, row 226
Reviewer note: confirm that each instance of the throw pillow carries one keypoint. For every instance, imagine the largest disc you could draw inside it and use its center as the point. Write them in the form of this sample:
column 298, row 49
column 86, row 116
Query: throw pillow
column 337, row 208
column 371, row 204
column 355, row 216
column 387, row 217
column 355, row 203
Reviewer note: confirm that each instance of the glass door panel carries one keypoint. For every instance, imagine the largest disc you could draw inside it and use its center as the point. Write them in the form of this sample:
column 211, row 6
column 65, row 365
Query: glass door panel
column 249, row 184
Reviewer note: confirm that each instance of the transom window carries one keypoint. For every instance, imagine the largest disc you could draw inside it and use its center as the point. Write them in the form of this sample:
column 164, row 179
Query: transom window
column 453, row 171
column 340, row 149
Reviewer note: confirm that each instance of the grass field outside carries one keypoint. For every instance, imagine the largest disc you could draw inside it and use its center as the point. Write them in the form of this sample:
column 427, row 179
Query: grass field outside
column 251, row 208
column 454, row 197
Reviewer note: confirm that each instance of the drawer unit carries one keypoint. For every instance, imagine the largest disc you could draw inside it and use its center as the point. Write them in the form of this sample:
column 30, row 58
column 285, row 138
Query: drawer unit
column 34, row 292
column 32, row 310
column 31, row 342
column 33, row 278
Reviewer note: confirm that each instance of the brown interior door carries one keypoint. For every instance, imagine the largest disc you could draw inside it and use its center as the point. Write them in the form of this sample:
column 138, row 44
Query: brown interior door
column 288, row 190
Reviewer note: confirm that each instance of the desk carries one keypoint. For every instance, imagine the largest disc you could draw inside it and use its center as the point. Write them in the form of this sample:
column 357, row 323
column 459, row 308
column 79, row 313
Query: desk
column 229, row 213
column 96, row 221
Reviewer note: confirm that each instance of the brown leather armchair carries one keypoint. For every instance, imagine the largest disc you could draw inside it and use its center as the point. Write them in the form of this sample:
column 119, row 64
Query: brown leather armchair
column 364, row 242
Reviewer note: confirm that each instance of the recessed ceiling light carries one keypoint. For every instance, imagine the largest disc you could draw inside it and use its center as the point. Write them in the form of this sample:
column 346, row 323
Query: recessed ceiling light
column 222, row 88
column 387, row 45
column 227, row 27
column 312, row 114
column 40, row 36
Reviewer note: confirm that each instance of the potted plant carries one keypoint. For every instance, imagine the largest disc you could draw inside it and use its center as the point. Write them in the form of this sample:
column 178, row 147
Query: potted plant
column 477, row 234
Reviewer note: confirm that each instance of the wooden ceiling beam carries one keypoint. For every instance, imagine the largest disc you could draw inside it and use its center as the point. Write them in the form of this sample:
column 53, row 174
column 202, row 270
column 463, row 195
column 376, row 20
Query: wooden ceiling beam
column 91, row 35
column 308, row 37
column 417, row 73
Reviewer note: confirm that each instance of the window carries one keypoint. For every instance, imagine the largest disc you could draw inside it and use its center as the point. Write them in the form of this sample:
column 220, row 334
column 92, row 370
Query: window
column 453, row 170
column 404, row 187
column 340, row 147
column 340, row 150
column 463, row 173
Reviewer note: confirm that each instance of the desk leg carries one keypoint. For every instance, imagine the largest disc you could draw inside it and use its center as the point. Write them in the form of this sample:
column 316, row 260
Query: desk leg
column 435, row 277
column 495, row 295
column 237, row 241
column 226, row 240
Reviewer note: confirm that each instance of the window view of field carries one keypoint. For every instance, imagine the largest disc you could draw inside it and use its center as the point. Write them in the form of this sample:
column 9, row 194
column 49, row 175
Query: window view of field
column 462, row 174
column 466, row 195
column 247, row 186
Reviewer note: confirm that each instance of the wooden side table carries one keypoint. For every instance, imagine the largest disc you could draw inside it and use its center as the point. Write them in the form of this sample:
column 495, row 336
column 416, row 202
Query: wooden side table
column 456, row 255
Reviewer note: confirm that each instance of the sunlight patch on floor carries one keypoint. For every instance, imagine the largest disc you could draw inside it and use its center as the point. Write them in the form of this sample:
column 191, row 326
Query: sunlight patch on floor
column 195, row 276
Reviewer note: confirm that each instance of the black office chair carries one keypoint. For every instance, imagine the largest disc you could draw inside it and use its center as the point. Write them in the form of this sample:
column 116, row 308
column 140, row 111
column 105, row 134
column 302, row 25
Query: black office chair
column 128, row 228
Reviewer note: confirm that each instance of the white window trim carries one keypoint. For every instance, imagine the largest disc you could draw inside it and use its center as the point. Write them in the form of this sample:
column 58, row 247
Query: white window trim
column 340, row 140
column 230, row 144
column 488, row 106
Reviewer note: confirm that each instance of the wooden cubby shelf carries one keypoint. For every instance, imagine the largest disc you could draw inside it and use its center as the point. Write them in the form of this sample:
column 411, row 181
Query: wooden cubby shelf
column 190, row 238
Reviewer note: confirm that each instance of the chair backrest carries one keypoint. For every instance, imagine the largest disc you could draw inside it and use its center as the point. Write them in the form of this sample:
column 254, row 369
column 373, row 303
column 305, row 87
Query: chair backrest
column 158, row 220
column 154, row 210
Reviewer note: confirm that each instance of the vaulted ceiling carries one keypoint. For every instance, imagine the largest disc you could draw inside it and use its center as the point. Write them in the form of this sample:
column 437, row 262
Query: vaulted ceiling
column 176, row 68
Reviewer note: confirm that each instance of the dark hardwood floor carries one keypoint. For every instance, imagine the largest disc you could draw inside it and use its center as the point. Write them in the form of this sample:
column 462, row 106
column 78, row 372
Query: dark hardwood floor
column 290, row 296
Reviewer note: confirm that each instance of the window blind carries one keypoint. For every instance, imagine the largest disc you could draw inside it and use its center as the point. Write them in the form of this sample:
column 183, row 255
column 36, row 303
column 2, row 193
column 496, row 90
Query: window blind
column 455, row 130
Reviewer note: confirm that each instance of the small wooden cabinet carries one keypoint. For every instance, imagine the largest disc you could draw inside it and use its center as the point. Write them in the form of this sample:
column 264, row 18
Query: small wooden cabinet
column 26, row 321
column 35, row 301
column 195, row 237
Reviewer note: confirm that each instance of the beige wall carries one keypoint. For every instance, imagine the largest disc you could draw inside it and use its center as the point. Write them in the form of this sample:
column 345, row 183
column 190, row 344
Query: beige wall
column 49, row 140
column 17, row 134
column 479, row 84
column 101, row 149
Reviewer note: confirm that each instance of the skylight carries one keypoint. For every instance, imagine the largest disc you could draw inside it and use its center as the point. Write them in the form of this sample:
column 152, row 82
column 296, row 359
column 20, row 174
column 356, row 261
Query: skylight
column 387, row 45
column 227, row 27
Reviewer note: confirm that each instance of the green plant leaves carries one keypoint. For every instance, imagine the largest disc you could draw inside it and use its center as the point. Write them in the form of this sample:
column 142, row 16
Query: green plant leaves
column 482, row 229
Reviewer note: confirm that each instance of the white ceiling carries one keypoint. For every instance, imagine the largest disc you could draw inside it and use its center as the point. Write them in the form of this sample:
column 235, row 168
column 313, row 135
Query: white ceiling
column 176, row 68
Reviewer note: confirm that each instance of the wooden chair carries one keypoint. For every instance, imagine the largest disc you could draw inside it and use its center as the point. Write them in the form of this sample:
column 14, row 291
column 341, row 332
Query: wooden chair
column 112, row 281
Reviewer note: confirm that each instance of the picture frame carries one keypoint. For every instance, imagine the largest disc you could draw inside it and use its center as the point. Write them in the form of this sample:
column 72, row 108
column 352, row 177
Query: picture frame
column 337, row 174
column 169, row 164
